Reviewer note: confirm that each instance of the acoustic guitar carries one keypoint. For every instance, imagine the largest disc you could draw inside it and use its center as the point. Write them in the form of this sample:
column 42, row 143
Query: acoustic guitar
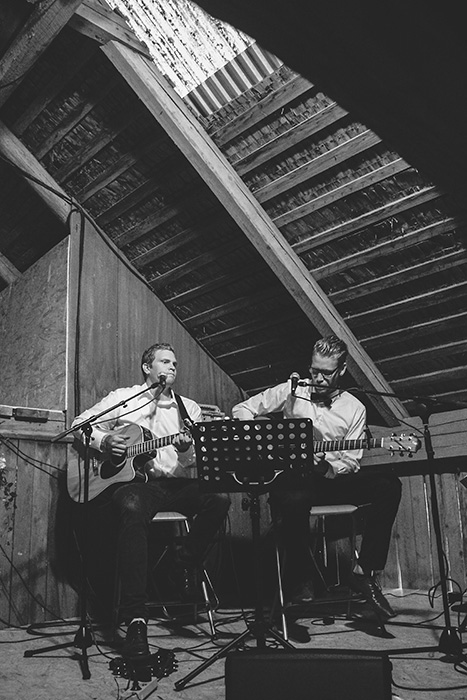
column 105, row 469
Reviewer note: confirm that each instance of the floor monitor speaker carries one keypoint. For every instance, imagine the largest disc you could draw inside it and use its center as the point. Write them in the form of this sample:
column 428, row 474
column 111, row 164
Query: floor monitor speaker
column 307, row 674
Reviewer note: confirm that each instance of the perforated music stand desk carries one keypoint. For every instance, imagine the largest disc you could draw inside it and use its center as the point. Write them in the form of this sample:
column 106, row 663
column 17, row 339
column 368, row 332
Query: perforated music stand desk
column 248, row 456
column 241, row 455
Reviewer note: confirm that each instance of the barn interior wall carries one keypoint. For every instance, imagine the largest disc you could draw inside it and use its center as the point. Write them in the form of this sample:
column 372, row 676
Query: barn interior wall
column 33, row 575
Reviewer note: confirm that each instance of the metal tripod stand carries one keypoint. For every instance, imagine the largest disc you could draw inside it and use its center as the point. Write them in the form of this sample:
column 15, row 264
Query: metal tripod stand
column 247, row 456
column 257, row 629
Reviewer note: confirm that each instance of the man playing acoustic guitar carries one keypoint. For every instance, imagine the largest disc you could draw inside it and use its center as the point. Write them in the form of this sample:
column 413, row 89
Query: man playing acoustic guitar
column 147, row 465
column 336, row 479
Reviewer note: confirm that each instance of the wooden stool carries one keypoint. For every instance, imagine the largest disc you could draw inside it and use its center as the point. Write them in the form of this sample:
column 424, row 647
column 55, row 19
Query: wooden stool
column 211, row 601
column 321, row 513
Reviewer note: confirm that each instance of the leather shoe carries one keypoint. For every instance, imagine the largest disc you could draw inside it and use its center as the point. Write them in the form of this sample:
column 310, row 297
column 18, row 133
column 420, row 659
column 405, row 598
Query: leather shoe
column 135, row 644
column 303, row 594
column 371, row 591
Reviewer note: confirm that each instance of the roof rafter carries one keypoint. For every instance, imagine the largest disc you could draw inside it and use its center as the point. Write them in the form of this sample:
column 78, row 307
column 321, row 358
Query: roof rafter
column 8, row 272
column 46, row 20
column 201, row 151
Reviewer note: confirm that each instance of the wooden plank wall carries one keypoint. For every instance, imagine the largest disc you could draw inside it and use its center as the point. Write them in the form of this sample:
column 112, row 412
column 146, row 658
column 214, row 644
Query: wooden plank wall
column 413, row 560
column 32, row 486
column 119, row 318
column 32, row 339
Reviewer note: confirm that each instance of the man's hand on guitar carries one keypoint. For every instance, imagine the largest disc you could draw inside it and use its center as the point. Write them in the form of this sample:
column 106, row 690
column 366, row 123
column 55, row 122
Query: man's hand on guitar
column 115, row 444
column 182, row 442
column 320, row 464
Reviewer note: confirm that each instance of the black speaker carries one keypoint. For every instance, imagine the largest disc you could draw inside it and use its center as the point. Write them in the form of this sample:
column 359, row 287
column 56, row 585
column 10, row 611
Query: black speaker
column 307, row 674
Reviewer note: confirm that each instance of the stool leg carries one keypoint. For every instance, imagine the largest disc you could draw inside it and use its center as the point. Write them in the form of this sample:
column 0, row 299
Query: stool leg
column 280, row 591
column 206, row 586
column 321, row 536
column 353, row 559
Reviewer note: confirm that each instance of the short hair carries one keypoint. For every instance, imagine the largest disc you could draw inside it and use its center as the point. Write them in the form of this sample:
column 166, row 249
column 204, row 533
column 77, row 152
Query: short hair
column 331, row 346
column 149, row 354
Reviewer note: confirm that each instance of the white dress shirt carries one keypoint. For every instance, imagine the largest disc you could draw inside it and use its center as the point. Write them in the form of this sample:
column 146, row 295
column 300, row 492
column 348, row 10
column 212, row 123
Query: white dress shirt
column 343, row 419
column 161, row 417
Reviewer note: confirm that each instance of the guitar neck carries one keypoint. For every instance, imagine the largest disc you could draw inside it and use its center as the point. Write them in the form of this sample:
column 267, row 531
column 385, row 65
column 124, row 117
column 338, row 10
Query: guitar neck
column 342, row 445
column 142, row 448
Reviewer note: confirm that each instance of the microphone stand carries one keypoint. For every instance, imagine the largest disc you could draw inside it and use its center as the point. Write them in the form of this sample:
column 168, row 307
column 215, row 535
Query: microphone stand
column 83, row 638
column 450, row 642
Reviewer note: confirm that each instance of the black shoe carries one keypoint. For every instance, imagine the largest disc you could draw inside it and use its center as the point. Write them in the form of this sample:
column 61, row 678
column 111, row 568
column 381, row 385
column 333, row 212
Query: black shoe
column 136, row 640
column 303, row 594
column 371, row 591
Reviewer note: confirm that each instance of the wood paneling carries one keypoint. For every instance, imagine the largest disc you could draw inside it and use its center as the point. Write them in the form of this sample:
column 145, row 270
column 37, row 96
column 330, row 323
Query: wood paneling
column 32, row 334
column 33, row 576
column 119, row 318
column 413, row 560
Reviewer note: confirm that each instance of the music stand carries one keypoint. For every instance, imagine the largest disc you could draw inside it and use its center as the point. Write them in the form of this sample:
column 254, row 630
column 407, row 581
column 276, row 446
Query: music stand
column 247, row 456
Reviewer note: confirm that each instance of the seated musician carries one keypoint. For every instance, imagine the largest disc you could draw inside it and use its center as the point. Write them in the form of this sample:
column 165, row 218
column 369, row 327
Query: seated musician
column 171, row 486
column 336, row 477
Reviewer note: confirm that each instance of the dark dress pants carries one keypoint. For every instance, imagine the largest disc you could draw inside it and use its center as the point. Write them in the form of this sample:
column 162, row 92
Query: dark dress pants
column 291, row 505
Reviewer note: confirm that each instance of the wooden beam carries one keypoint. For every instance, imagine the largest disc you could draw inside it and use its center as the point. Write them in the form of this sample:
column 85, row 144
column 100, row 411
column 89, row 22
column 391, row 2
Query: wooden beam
column 233, row 354
column 102, row 24
column 49, row 191
column 228, row 308
column 74, row 117
column 206, row 287
column 245, row 373
column 180, row 202
column 358, row 144
column 173, row 115
column 172, row 243
column 102, row 139
column 368, row 219
column 425, row 300
column 114, row 170
column 317, row 122
column 456, row 374
column 394, row 245
column 136, row 196
column 245, row 328
column 58, row 201
column 66, row 73
column 8, row 272
column 417, row 330
column 394, row 279
column 442, row 350
column 324, row 200
column 268, row 105
column 195, row 263
column 42, row 26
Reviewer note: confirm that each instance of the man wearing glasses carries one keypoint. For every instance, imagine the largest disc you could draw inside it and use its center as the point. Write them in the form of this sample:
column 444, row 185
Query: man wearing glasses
column 336, row 479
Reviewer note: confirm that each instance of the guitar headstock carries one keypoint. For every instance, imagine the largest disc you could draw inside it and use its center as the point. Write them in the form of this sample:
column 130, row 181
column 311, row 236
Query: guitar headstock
column 402, row 444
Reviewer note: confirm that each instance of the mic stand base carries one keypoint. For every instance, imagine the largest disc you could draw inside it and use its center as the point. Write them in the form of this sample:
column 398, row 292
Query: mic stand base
column 450, row 643
column 258, row 629
column 83, row 637
column 82, row 640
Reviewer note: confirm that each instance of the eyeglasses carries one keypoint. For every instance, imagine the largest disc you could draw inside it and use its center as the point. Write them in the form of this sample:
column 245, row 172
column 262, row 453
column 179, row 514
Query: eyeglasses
column 325, row 373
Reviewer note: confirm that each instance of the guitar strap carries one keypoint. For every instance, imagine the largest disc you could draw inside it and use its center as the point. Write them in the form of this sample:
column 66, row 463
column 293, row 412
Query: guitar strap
column 182, row 410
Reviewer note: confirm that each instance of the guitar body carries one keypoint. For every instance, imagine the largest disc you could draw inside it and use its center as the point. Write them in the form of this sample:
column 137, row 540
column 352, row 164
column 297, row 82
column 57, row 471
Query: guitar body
column 105, row 470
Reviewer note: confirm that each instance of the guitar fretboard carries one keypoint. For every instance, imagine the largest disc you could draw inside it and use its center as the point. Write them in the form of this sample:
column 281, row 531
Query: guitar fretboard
column 340, row 445
column 142, row 448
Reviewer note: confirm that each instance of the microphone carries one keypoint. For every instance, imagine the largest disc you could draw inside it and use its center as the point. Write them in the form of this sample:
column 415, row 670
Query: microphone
column 294, row 382
column 160, row 383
